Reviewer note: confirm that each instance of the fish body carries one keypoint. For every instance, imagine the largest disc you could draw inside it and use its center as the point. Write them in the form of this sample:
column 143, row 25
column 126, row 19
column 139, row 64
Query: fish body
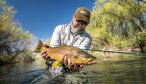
column 76, row 54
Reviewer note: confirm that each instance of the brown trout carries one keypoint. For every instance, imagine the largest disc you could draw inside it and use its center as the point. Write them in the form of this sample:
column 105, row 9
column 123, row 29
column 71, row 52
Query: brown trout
column 76, row 54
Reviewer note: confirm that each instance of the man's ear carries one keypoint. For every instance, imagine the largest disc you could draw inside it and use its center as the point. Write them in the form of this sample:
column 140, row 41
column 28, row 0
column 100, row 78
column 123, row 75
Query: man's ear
column 74, row 17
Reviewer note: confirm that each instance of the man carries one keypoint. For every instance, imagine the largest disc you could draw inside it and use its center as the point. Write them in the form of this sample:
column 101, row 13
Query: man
column 73, row 34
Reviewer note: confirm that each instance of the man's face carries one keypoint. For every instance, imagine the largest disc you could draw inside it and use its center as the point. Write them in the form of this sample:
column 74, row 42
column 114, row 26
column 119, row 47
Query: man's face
column 79, row 25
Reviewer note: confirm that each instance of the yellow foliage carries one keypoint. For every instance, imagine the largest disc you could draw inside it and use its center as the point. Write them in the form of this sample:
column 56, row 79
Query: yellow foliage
column 100, row 11
column 101, row 1
column 117, row 22
column 108, row 6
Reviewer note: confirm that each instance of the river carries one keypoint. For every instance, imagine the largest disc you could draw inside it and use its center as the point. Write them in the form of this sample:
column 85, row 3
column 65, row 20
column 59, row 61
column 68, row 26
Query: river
column 127, row 71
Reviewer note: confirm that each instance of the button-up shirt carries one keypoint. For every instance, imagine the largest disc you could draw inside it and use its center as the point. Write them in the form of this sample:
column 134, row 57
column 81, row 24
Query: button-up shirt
column 65, row 34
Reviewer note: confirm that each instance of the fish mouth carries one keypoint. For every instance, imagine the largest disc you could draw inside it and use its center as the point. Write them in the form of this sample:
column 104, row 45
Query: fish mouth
column 91, row 61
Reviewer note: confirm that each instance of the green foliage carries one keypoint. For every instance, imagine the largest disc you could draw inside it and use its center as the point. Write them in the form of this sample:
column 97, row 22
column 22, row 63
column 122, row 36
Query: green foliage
column 100, row 37
column 13, row 39
column 141, row 36
column 140, row 39
column 2, row 2
column 120, row 43
column 119, row 23
column 48, row 41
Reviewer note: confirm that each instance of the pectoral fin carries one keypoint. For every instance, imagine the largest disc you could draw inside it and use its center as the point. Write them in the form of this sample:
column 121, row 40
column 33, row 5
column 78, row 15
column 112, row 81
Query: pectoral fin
column 56, row 63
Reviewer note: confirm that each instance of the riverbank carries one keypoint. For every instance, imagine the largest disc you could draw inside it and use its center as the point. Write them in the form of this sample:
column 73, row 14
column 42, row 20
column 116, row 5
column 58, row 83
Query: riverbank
column 118, row 55
column 11, row 60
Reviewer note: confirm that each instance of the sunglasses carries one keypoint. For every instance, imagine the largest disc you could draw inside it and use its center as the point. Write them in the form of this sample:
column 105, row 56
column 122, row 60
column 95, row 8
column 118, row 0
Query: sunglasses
column 82, row 23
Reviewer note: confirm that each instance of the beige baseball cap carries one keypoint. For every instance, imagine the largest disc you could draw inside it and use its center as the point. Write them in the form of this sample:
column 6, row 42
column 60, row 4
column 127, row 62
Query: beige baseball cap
column 83, row 14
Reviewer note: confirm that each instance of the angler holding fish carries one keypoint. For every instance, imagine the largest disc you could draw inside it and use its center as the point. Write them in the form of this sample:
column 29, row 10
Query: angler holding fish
column 72, row 34
column 67, row 47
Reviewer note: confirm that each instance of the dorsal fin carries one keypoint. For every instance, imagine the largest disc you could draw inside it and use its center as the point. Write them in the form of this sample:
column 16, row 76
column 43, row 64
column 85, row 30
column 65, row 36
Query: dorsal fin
column 39, row 46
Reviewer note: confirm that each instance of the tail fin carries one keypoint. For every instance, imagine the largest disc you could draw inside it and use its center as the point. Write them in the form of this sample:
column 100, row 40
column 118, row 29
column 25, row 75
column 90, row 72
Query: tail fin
column 39, row 46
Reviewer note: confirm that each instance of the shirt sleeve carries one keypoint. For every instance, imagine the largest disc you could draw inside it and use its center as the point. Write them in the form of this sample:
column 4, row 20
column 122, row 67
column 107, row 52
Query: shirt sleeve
column 56, row 37
column 86, row 44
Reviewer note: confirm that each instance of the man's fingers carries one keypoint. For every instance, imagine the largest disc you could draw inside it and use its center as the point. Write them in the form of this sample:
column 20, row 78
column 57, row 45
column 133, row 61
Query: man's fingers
column 65, row 60
column 43, row 52
column 81, row 66
column 47, row 57
column 74, row 66
column 72, row 61
column 69, row 62
column 44, row 55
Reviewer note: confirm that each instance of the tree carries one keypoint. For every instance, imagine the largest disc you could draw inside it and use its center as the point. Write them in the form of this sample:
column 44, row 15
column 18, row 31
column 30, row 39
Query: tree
column 121, row 20
column 13, row 39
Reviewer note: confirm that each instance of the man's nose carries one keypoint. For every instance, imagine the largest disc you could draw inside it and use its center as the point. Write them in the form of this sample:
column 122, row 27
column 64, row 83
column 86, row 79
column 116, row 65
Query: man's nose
column 81, row 25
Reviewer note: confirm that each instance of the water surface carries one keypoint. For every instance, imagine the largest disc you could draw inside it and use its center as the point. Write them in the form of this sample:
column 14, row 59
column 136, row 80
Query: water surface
column 110, row 71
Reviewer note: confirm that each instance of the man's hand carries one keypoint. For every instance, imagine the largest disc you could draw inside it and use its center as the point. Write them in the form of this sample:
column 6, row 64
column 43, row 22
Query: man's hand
column 70, row 63
column 44, row 53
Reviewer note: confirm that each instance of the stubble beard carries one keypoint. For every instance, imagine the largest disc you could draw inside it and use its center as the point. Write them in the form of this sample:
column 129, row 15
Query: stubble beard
column 79, row 29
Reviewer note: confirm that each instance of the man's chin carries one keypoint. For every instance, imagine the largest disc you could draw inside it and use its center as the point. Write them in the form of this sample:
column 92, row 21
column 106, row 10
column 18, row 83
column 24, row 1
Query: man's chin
column 79, row 32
